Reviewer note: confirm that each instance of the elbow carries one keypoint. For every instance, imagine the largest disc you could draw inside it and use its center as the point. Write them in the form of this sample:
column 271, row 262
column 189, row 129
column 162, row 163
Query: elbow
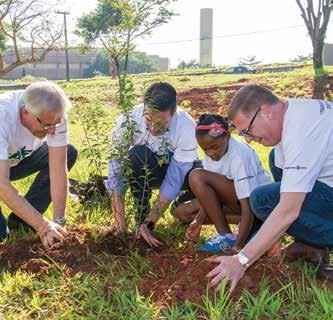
column 4, row 187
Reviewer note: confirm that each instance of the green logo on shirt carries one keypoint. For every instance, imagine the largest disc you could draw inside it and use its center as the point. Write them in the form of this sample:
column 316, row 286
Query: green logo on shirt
column 20, row 154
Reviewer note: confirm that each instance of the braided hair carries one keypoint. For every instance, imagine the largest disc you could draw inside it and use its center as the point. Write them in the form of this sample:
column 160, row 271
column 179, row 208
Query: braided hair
column 210, row 118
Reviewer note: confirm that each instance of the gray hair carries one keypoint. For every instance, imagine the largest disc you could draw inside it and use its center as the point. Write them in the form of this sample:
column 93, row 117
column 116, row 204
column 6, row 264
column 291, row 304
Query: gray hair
column 45, row 96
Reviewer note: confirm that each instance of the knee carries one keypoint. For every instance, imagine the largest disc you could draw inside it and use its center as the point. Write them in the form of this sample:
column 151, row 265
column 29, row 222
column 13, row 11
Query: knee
column 196, row 177
column 72, row 155
column 257, row 203
column 137, row 155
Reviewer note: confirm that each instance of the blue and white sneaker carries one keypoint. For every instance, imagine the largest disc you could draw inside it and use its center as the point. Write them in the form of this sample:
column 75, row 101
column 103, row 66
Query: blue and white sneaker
column 218, row 243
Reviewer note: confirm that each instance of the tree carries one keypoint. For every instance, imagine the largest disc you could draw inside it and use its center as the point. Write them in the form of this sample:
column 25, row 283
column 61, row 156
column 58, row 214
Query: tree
column 186, row 65
column 117, row 24
column 138, row 62
column 249, row 61
column 316, row 21
column 26, row 32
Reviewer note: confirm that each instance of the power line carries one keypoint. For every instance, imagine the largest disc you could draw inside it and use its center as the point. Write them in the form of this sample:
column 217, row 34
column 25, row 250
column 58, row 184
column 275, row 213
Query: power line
column 232, row 35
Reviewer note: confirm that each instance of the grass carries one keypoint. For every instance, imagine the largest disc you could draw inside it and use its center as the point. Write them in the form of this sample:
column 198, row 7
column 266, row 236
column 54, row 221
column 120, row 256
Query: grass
column 112, row 293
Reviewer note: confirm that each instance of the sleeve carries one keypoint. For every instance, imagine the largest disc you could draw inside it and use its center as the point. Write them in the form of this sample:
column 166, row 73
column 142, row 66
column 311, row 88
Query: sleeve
column 304, row 156
column 60, row 137
column 3, row 136
column 186, row 148
column 174, row 178
column 115, row 182
column 244, row 174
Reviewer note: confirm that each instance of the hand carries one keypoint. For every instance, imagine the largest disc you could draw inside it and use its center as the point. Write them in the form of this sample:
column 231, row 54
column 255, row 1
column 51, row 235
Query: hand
column 193, row 231
column 229, row 268
column 147, row 236
column 51, row 232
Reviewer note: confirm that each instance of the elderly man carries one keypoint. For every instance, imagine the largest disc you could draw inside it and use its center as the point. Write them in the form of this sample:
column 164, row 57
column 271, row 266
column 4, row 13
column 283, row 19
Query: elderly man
column 27, row 117
column 300, row 202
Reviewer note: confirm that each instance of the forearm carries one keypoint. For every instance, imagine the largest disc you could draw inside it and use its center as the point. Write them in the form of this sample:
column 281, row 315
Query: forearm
column 117, row 201
column 272, row 229
column 21, row 206
column 59, row 192
column 158, row 208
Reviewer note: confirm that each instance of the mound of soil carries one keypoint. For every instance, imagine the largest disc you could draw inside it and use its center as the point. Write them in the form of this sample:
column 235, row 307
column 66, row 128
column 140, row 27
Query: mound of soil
column 209, row 100
column 177, row 275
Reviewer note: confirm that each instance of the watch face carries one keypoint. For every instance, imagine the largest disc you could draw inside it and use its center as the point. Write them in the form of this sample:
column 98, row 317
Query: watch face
column 243, row 259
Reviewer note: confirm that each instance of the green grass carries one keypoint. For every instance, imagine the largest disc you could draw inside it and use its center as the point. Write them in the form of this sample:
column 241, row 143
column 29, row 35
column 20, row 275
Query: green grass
column 113, row 293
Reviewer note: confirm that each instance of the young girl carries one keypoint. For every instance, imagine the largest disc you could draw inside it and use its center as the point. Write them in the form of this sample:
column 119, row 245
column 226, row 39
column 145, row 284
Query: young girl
column 222, row 189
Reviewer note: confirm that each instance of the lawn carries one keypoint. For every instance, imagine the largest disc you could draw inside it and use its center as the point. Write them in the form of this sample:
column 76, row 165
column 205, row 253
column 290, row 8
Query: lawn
column 94, row 275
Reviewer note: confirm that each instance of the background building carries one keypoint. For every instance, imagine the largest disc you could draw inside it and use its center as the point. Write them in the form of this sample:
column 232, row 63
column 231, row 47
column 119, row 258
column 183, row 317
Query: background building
column 328, row 54
column 54, row 65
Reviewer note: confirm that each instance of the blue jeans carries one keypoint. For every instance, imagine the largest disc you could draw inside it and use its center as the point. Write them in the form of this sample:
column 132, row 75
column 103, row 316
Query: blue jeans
column 315, row 222
column 38, row 195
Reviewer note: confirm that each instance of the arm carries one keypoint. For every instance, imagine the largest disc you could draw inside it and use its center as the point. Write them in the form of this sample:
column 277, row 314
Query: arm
column 286, row 212
column 245, row 223
column 58, row 179
column 47, row 230
column 169, row 190
column 170, row 187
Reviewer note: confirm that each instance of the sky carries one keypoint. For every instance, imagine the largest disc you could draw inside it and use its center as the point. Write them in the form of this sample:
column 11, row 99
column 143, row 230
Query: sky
column 271, row 30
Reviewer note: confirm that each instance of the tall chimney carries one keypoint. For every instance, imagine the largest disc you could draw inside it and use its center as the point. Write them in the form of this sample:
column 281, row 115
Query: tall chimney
column 206, row 37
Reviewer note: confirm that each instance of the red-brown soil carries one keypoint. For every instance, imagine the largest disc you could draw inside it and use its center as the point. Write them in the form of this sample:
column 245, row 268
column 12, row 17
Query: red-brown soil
column 176, row 275
column 205, row 100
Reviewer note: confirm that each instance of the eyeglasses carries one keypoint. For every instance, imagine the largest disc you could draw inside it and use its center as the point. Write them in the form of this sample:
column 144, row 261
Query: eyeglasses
column 46, row 127
column 245, row 132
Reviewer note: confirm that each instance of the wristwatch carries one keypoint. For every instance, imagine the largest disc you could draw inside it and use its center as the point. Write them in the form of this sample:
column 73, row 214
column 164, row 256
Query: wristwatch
column 243, row 259
column 150, row 224
column 60, row 220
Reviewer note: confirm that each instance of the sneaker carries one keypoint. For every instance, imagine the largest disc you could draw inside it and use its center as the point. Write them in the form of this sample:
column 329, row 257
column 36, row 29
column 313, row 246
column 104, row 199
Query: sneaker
column 218, row 243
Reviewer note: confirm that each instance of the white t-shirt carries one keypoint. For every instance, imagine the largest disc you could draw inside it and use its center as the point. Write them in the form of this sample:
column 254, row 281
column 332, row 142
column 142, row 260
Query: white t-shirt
column 16, row 141
column 305, row 152
column 241, row 164
column 178, row 140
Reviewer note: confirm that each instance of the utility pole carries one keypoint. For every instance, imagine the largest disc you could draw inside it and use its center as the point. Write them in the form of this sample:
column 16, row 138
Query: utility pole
column 66, row 42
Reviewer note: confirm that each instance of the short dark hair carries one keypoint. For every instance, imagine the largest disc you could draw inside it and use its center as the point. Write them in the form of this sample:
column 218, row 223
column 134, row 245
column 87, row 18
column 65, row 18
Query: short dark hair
column 250, row 98
column 209, row 118
column 161, row 96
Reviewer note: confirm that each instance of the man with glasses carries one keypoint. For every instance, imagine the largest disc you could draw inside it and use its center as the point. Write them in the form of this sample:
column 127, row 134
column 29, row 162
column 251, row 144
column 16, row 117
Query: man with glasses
column 300, row 202
column 161, row 154
column 33, row 139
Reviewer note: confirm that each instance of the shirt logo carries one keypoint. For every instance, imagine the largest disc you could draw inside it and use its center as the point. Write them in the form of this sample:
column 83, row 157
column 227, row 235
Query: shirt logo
column 20, row 154
column 295, row 168
column 323, row 105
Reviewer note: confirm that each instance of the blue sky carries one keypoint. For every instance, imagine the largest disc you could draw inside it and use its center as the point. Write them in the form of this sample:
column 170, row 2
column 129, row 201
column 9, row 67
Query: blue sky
column 273, row 31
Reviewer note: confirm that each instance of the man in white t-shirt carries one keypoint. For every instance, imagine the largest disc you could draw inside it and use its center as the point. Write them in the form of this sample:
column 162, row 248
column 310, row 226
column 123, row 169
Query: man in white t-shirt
column 161, row 154
column 33, row 139
column 300, row 202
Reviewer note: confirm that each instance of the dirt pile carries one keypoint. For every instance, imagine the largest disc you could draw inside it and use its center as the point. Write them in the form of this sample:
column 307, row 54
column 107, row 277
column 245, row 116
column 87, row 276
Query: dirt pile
column 216, row 99
column 176, row 275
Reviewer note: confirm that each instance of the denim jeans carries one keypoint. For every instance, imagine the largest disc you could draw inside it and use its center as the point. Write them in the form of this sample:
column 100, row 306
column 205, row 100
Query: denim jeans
column 38, row 195
column 315, row 222
column 146, row 175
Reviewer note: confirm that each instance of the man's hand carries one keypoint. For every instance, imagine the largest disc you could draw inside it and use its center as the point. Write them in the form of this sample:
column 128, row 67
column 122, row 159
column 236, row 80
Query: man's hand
column 229, row 268
column 51, row 232
column 147, row 236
